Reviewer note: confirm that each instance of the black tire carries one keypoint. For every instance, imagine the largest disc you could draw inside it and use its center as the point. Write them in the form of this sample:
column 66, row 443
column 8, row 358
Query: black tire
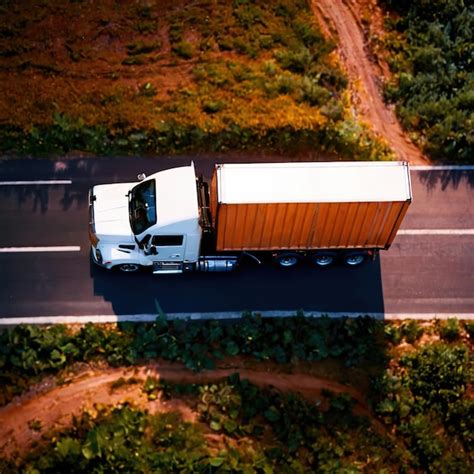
column 286, row 259
column 323, row 258
column 354, row 259
column 128, row 267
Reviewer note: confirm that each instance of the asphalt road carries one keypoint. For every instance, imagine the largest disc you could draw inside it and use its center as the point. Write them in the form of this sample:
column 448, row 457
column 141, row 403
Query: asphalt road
column 421, row 273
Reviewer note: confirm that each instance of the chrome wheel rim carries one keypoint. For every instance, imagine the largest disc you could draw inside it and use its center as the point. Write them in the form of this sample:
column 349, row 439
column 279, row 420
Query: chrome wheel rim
column 355, row 260
column 128, row 267
column 324, row 260
column 288, row 261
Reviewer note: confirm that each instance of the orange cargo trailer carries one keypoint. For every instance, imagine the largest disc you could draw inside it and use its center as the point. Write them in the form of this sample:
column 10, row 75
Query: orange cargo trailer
column 309, row 206
column 286, row 213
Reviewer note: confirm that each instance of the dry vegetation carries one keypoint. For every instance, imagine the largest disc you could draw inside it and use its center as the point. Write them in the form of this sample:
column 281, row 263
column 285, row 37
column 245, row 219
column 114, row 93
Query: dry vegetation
column 167, row 76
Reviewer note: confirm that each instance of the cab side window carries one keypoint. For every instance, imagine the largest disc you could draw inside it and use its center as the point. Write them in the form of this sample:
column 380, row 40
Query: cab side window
column 167, row 240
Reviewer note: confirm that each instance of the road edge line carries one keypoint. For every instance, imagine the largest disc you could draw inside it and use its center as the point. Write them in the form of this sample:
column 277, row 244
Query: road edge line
column 63, row 248
column 142, row 318
column 40, row 181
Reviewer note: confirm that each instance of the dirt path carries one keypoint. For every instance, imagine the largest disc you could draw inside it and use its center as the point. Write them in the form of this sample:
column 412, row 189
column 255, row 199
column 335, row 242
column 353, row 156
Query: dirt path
column 364, row 76
column 55, row 409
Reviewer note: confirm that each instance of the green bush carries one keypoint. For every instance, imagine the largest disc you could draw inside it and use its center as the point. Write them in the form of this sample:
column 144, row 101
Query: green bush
column 393, row 333
column 212, row 107
column 412, row 331
column 312, row 93
column 431, row 53
column 183, row 49
column 260, row 431
column 30, row 350
column 424, row 399
column 469, row 328
column 450, row 330
column 142, row 47
column 438, row 374
column 298, row 61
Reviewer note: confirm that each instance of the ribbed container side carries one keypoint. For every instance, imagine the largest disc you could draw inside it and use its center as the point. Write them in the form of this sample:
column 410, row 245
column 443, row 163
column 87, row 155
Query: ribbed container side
column 280, row 226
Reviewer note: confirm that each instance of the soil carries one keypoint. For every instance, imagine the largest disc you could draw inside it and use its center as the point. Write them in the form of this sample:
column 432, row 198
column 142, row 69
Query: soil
column 345, row 20
column 82, row 66
column 24, row 421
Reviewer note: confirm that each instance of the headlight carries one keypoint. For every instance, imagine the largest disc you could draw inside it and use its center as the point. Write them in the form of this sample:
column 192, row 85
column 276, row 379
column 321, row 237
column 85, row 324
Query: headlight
column 94, row 240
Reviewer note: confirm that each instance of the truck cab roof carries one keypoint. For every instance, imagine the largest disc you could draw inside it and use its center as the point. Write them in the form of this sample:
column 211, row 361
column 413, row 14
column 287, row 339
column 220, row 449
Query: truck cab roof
column 177, row 209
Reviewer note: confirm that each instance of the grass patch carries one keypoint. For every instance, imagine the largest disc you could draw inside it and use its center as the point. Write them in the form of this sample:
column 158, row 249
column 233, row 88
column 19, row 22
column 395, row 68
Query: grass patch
column 240, row 75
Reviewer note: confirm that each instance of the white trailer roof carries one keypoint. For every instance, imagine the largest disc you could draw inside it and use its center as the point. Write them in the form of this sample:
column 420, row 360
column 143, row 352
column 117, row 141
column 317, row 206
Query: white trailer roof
column 313, row 182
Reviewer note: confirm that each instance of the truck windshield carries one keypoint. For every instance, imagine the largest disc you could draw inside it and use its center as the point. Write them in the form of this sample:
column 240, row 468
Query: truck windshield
column 142, row 206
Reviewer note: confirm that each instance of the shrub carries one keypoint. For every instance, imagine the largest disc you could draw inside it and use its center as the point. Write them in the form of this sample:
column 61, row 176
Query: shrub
column 450, row 330
column 420, row 431
column 29, row 350
column 393, row 333
column 469, row 328
column 147, row 90
column 212, row 107
column 296, row 60
column 134, row 61
column 438, row 374
column 429, row 46
column 141, row 47
column 312, row 93
column 183, row 49
column 288, row 434
column 412, row 331
column 424, row 399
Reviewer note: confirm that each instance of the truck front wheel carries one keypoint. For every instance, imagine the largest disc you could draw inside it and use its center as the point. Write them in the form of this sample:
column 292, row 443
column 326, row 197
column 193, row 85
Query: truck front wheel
column 128, row 267
column 286, row 259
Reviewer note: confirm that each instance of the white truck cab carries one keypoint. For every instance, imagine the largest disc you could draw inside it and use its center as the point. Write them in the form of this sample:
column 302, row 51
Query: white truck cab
column 152, row 223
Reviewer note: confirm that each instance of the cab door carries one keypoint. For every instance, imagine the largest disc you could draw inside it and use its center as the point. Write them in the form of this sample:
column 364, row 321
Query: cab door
column 168, row 248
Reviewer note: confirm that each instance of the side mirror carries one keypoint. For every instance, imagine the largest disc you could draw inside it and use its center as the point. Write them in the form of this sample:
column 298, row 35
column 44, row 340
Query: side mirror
column 144, row 242
column 141, row 176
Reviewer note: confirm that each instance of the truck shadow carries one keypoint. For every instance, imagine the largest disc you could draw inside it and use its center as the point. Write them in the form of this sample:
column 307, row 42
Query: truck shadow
column 443, row 180
column 252, row 288
column 40, row 198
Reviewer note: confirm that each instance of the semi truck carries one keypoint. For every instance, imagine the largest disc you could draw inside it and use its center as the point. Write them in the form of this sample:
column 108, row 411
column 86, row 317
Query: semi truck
column 286, row 213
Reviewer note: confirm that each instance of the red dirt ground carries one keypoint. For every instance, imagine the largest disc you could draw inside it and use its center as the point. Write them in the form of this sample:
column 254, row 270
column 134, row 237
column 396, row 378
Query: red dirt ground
column 343, row 18
column 55, row 409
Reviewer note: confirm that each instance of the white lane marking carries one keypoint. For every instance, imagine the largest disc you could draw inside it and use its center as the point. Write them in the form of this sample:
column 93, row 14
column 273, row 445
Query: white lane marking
column 143, row 318
column 442, row 167
column 64, row 248
column 44, row 181
column 435, row 232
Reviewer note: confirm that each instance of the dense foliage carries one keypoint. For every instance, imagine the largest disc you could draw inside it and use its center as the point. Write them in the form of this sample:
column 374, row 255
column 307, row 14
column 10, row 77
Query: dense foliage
column 28, row 352
column 432, row 56
column 260, row 431
column 193, row 75
column 424, row 398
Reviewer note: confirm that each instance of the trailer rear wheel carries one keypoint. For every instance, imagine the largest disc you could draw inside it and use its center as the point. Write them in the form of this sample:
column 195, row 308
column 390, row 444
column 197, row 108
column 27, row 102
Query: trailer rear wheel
column 286, row 259
column 354, row 259
column 323, row 259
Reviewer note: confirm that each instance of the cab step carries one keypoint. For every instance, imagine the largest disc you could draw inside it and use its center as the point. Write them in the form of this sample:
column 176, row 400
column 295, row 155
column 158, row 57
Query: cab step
column 167, row 267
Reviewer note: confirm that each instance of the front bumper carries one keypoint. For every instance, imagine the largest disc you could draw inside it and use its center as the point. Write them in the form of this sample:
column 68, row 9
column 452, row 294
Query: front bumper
column 97, row 259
